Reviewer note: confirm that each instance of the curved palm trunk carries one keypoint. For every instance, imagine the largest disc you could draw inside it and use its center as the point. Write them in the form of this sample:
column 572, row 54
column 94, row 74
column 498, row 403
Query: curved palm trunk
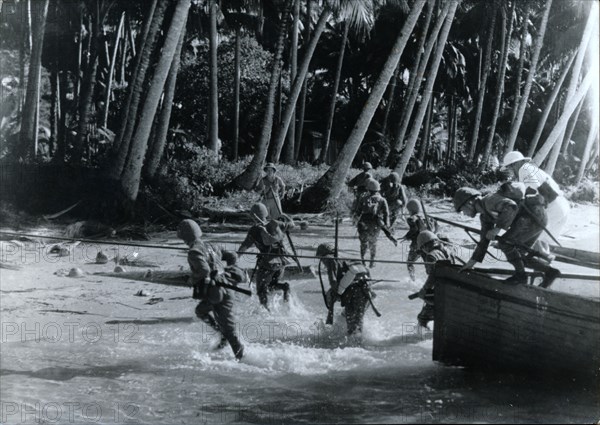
column 506, row 36
column 435, row 64
column 28, row 142
column 593, row 132
column 288, row 151
column 247, row 180
column 130, row 180
column 417, row 74
column 521, row 65
column 483, row 85
column 390, row 103
column 426, row 132
column 302, row 106
column 555, row 153
column 539, row 41
column 236, row 95
column 158, row 147
column 329, row 186
column 111, row 71
column 335, row 88
column 213, row 121
column 538, row 132
column 297, row 86
column 136, row 87
column 560, row 126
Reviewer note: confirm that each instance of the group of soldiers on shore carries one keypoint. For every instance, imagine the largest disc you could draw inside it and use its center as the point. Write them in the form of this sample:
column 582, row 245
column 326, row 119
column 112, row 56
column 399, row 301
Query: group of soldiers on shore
column 524, row 208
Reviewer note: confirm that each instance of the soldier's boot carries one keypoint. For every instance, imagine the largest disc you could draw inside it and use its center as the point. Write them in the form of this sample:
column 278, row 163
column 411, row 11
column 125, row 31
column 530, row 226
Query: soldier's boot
column 363, row 252
column 550, row 273
column 520, row 277
column 411, row 272
column 286, row 291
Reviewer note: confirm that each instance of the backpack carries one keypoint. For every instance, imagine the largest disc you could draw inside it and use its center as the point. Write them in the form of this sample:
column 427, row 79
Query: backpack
column 512, row 190
column 370, row 206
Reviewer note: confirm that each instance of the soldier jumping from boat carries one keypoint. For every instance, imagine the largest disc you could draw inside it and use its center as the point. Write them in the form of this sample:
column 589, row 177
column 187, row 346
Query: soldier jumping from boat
column 522, row 228
column 417, row 223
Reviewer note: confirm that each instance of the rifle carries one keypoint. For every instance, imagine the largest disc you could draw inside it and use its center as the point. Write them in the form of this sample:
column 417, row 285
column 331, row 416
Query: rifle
column 427, row 223
column 387, row 232
column 330, row 308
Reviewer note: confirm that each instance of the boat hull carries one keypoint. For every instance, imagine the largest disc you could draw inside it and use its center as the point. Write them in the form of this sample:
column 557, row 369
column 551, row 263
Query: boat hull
column 482, row 322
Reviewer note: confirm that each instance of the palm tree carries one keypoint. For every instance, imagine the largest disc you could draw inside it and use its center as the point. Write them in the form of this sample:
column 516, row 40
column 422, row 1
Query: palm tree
column 150, row 32
column 537, row 47
column 560, row 126
column 417, row 73
column 213, row 122
column 157, row 147
column 130, row 180
column 483, row 82
column 506, row 37
column 592, row 133
column 288, row 152
column 113, row 61
column 302, row 105
column 427, row 91
column 542, row 123
column 29, row 127
column 297, row 85
column 248, row 178
column 521, row 64
column 329, row 186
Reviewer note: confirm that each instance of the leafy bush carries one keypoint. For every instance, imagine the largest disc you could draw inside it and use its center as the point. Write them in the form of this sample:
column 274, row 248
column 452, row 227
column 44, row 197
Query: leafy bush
column 586, row 191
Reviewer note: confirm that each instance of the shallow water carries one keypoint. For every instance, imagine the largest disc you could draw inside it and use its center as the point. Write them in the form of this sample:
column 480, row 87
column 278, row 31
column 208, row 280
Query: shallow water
column 88, row 350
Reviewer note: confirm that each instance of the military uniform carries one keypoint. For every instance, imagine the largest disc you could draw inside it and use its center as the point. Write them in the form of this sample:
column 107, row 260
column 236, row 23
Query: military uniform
column 374, row 214
column 416, row 224
column 272, row 190
column 268, row 239
column 213, row 299
column 437, row 255
column 395, row 195
column 359, row 185
column 348, row 284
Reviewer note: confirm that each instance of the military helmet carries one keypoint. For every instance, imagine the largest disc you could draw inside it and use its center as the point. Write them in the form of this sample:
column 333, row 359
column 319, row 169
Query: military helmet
column 367, row 166
column 425, row 237
column 512, row 157
column 259, row 210
column 463, row 195
column 372, row 185
column 270, row 165
column 395, row 177
column 230, row 257
column 188, row 230
column 413, row 206
column 325, row 249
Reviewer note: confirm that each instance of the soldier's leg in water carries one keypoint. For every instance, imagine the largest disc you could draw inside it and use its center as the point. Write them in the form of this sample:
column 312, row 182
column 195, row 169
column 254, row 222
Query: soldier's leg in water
column 276, row 285
column 364, row 243
column 425, row 315
column 203, row 310
column 263, row 279
column 224, row 317
column 413, row 255
column 373, row 236
column 355, row 309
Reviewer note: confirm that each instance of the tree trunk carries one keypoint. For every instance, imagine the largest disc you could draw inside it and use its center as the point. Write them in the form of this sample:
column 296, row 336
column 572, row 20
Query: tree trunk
column 583, row 47
column 86, row 98
column 417, row 77
column 521, row 64
column 439, row 50
column 28, row 143
column 130, row 180
column 289, row 151
column 150, row 32
column 548, row 108
column 506, row 37
column 487, row 66
column 390, row 103
column 236, row 95
column 560, row 126
column 54, row 110
column 555, row 153
column 62, row 120
column 427, row 132
column 593, row 132
column 297, row 86
column 111, row 70
column 336, row 85
column 213, row 121
column 247, row 180
column 539, row 41
column 302, row 106
column 329, row 186
column 157, row 149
